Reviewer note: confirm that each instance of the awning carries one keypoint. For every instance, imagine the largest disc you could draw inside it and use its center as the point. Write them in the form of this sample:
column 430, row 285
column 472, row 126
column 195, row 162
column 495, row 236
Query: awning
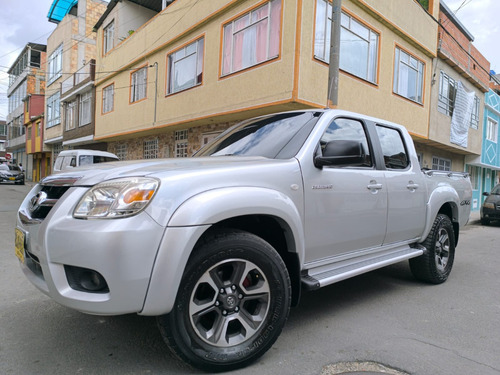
column 59, row 9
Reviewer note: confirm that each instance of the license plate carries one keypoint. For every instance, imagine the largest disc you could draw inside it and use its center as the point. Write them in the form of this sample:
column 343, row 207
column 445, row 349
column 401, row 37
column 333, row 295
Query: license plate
column 12, row 178
column 19, row 244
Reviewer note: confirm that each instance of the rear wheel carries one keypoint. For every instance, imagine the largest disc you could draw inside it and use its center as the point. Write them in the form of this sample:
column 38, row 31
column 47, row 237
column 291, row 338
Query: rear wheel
column 435, row 265
column 232, row 304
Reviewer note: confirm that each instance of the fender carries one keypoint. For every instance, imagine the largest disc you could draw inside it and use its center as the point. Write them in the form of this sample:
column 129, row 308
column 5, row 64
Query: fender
column 440, row 196
column 194, row 217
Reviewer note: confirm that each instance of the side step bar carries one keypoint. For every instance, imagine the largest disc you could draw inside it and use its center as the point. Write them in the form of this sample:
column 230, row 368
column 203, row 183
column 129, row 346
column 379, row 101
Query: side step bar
column 343, row 270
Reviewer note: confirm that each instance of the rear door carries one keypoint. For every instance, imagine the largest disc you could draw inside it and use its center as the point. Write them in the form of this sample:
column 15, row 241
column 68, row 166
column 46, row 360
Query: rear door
column 405, row 188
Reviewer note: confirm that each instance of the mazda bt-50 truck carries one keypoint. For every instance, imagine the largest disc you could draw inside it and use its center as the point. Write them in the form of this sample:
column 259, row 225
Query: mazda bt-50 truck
column 220, row 245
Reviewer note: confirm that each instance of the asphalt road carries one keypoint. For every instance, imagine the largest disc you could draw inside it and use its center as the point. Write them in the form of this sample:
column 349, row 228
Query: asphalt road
column 385, row 317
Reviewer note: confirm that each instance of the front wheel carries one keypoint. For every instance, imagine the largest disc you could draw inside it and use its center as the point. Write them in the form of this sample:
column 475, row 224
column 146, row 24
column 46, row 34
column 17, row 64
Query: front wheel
column 434, row 266
column 232, row 304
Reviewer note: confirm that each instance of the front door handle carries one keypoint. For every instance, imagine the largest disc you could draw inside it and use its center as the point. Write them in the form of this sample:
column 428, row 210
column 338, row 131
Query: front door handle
column 373, row 186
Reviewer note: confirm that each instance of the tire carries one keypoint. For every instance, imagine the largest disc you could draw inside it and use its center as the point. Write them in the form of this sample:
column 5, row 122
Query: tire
column 232, row 303
column 435, row 265
column 485, row 221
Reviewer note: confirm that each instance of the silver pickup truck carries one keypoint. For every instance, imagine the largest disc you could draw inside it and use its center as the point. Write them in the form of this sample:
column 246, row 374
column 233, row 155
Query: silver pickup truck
column 219, row 246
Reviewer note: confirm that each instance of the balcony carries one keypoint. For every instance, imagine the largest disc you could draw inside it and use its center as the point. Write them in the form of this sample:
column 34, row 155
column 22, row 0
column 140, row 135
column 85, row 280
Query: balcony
column 82, row 77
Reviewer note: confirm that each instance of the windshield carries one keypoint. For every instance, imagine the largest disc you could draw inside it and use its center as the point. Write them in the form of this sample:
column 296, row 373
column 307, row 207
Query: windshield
column 496, row 190
column 277, row 136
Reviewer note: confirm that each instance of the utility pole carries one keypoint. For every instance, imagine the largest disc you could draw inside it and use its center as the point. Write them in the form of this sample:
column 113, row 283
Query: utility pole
column 333, row 71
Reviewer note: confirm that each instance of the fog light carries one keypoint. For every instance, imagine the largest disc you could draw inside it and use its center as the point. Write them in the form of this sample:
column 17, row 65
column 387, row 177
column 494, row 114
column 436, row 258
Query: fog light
column 86, row 280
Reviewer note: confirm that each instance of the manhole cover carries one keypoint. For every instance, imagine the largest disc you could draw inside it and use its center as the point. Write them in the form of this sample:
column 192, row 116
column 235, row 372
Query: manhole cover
column 359, row 368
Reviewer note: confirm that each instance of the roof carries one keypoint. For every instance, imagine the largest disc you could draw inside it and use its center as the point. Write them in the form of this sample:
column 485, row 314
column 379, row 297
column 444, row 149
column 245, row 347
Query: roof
column 59, row 9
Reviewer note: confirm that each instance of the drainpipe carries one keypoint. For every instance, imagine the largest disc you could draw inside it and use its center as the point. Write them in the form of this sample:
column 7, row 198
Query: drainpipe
column 156, row 90
column 333, row 70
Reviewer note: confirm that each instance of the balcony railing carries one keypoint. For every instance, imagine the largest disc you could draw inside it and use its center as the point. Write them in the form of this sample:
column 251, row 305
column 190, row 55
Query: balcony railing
column 85, row 73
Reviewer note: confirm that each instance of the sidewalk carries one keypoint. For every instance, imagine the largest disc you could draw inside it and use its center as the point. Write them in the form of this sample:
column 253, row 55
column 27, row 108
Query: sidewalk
column 474, row 218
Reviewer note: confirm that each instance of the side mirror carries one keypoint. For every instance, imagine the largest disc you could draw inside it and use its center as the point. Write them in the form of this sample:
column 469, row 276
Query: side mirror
column 341, row 153
column 486, row 194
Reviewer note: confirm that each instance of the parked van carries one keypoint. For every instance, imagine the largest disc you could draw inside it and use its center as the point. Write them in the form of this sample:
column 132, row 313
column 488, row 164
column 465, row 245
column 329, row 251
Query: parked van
column 75, row 158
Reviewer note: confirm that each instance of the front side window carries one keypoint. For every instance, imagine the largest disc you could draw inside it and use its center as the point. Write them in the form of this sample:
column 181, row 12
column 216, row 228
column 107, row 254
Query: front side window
column 85, row 108
column 441, row 164
column 408, row 76
column 109, row 37
column 447, row 94
column 108, row 97
column 54, row 67
column 252, row 38
column 138, row 84
column 491, row 130
column 70, row 115
column 358, row 43
column 53, row 110
column 185, row 67
column 393, row 148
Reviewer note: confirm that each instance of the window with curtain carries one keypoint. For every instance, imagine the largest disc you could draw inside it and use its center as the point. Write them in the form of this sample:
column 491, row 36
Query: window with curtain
column 138, row 84
column 408, row 76
column 70, row 115
column 358, row 43
column 252, row 38
column 85, row 109
column 491, row 130
column 108, row 97
column 185, row 67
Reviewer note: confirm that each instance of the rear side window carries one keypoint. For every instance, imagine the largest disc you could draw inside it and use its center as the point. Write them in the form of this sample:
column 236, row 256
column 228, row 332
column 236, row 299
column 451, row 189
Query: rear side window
column 393, row 148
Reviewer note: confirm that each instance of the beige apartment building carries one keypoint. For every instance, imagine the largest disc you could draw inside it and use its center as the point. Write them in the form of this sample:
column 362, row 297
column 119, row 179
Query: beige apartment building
column 171, row 76
column 70, row 49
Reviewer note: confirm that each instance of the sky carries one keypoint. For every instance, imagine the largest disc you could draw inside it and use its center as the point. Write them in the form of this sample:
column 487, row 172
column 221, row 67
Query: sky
column 25, row 21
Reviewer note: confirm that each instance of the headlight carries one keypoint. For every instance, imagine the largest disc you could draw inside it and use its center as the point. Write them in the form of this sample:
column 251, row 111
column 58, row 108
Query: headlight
column 116, row 198
column 488, row 205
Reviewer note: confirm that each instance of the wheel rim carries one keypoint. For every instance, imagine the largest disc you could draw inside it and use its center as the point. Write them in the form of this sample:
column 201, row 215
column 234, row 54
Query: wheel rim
column 442, row 249
column 229, row 303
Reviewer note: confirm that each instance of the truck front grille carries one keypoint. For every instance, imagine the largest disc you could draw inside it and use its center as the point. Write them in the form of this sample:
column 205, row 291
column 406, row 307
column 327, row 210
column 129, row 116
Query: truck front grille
column 42, row 203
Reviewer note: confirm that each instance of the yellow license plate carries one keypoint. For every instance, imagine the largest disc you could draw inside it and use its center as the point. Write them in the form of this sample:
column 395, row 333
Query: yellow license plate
column 19, row 244
column 12, row 178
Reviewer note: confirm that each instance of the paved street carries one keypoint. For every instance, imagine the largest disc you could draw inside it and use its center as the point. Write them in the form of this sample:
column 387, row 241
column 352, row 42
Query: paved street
column 384, row 316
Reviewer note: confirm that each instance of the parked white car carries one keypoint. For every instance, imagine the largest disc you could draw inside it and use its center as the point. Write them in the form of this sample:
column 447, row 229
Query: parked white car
column 68, row 159
column 219, row 246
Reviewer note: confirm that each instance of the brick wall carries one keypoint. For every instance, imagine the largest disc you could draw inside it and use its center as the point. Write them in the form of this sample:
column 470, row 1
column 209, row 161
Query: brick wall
column 459, row 49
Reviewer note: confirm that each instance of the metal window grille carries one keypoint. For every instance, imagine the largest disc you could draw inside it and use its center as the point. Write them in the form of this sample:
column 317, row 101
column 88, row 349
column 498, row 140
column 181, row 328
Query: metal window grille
column 181, row 144
column 121, row 151
column 441, row 164
column 151, row 149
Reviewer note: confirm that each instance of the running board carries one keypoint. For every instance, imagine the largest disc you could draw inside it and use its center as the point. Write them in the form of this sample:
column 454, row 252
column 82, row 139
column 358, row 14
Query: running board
column 348, row 268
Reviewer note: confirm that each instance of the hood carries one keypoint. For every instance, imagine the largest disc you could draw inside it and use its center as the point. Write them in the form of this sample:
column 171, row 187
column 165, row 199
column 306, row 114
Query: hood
column 96, row 173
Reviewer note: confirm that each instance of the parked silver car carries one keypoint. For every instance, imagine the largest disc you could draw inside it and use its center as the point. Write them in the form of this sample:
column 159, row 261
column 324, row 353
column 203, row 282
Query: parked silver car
column 11, row 173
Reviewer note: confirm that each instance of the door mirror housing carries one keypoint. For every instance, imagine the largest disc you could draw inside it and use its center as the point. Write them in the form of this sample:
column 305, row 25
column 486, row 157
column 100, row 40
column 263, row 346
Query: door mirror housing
column 341, row 153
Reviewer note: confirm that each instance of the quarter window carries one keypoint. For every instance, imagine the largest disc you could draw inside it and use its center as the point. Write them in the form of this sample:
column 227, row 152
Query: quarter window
column 185, row 67
column 138, row 84
column 252, row 38
column 408, row 76
column 358, row 43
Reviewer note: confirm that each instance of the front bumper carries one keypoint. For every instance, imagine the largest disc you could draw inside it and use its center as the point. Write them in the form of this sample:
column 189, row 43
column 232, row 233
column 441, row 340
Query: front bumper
column 490, row 213
column 15, row 179
column 122, row 251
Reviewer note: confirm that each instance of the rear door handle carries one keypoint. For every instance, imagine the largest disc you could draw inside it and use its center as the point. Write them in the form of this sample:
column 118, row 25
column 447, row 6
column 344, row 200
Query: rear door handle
column 412, row 186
